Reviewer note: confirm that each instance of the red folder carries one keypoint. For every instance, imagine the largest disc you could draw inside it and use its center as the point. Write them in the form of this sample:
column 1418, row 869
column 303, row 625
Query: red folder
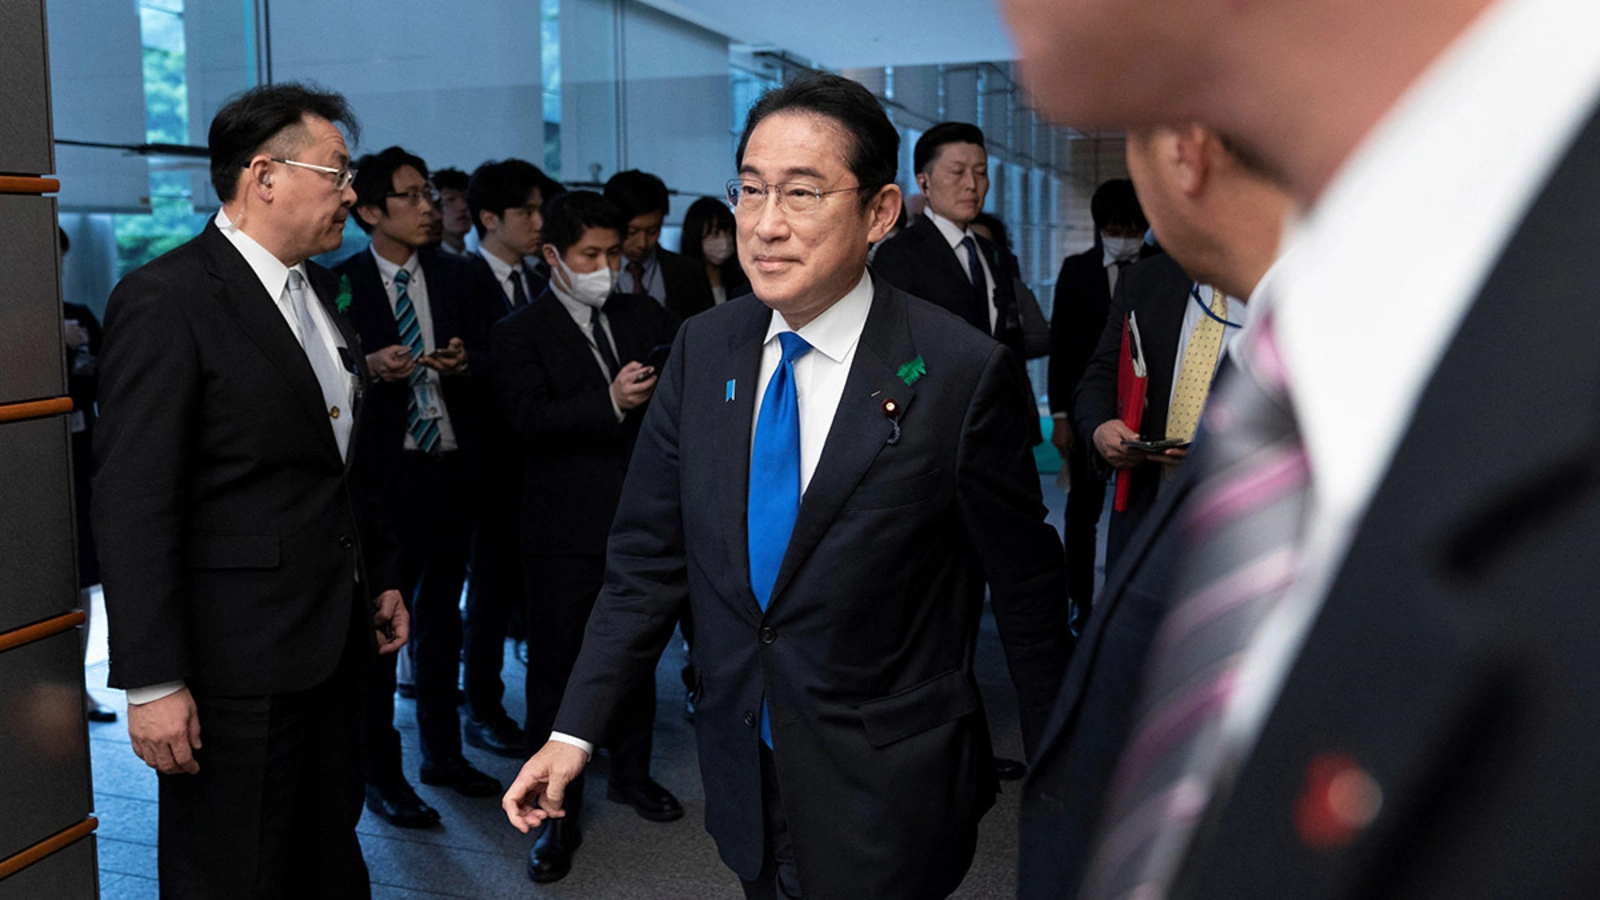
column 1132, row 382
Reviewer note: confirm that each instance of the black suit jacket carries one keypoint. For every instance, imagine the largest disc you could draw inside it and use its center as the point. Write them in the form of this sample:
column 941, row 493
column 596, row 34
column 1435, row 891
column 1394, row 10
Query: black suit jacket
column 688, row 288
column 1157, row 289
column 920, row 262
column 1077, row 319
column 558, row 403
column 458, row 303
column 865, row 652
column 230, row 538
column 1453, row 659
column 1097, row 706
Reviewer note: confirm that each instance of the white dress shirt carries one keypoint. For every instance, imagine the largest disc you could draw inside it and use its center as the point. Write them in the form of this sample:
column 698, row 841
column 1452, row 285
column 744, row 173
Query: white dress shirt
column 504, row 272
column 1395, row 304
column 417, row 291
column 580, row 316
column 1194, row 313
column 819, row 379
column 274, row 276
column 954, row 235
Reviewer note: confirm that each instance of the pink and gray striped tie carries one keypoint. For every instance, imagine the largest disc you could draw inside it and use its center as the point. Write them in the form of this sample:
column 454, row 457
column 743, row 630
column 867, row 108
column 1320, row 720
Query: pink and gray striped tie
column 1241, row 539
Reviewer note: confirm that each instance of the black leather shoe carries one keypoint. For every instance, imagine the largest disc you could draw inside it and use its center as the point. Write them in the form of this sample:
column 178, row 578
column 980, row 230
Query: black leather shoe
column 650, row 800
column 1009, row 769
column 459, row 774
column 551, row 856
column 501, row 737
column 99, row 712
column 401, row 807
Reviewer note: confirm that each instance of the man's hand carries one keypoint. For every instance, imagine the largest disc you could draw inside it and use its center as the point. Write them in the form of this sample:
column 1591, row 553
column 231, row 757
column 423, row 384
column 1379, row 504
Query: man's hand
column 392, row 621
column 628, row 390
column 537, row 793
column 166, row 733
column 447, row 360
column 1061, row 436
column 1169, row 457
column 392, row 363
column 1108, row 440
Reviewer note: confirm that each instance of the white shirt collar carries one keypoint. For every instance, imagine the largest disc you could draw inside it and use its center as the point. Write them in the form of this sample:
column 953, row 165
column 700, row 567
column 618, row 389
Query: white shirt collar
column 502, row 269
column 953, row 233
column 273, row 273
column 1456, row 195
column 838, row 328
column 387, row 269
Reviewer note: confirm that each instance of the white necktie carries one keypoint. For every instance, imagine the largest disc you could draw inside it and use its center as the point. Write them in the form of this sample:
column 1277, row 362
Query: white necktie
column 331, row 374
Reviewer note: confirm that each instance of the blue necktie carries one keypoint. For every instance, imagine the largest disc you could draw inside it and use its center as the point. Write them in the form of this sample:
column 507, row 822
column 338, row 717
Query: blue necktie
column 774, row 500
column 980, row 283
column 423, row 430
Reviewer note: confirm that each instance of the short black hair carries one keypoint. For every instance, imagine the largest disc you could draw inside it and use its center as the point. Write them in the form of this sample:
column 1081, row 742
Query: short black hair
column 874, row 155
column 63, row 240
column 637, row 193
column 572, row 213
column 375, row 178
column 450, row 180
column 1115, row 202
column 499, row 186
column 927, row 149
column 252, row 119
column 705, row 214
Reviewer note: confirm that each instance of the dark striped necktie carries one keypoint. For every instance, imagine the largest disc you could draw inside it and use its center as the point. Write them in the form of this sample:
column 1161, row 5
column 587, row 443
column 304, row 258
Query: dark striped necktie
column 422, row 428
column 1242, row 542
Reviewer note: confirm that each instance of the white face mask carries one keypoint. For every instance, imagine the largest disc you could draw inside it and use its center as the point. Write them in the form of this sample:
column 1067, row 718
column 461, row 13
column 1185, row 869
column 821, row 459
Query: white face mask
column 718, row 248
column 1121, row 249
column 589, row 288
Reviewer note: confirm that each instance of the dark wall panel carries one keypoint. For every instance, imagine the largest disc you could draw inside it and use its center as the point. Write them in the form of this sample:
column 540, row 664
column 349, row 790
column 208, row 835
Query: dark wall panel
column 25, row 139
column 44, row 757
column 38, row 579
column 32, row 363
column 67, row 874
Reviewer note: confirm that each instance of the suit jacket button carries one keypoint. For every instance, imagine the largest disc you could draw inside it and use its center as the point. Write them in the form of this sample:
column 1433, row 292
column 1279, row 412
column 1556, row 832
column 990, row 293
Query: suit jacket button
column 767, row 635
column 346, row 542
column 749, row 719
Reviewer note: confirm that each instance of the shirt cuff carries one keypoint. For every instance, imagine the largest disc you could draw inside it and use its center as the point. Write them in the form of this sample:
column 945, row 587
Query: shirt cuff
column 1059, row 415
column 580, row 743
column 143, row 695
column 615, row 408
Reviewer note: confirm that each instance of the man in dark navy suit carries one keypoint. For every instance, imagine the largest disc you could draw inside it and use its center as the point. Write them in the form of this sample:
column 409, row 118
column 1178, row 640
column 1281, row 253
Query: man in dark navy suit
column 415, row 309
column 573, row 383
column 829, row 472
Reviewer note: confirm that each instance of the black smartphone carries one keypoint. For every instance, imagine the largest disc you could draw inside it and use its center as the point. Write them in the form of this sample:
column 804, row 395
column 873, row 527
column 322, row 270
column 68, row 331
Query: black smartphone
column 1157, row 446
column 658, row 356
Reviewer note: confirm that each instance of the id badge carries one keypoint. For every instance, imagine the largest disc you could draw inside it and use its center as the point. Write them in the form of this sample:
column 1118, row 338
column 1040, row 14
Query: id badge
column 80, row 422
column 429, row 402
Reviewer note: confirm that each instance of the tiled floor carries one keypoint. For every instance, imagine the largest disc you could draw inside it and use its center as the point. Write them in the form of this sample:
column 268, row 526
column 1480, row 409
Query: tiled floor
column 475, row 854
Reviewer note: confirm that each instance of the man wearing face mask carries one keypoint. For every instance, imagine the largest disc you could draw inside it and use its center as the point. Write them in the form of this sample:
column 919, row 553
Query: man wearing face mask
column 1077, row 318
column 571, row 376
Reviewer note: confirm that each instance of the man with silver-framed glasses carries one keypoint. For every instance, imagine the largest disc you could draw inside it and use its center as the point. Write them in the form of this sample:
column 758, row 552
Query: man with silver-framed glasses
column 247, row 582
column 827, row 473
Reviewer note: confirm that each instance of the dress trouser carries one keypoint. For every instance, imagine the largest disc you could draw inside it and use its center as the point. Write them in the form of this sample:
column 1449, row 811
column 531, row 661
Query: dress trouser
column 561, row 594
column 494, row 590
column 429, row 507
column 272, row 812
column 779, row 879
column 1085, row 501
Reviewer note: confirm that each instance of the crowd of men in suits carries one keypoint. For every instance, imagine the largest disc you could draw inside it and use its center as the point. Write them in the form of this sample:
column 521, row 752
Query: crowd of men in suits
column 1314, row 670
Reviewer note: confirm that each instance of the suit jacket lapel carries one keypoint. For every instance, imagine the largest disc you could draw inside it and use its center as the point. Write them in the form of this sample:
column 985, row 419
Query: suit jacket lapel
column 326, row 284
column 242, row 294
column 731, row 433
column 860, row 428
column 560, row 325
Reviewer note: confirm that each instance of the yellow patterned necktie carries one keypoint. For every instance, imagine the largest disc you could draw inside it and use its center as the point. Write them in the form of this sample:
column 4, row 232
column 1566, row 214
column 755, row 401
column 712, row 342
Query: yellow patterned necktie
column 1199, row 364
